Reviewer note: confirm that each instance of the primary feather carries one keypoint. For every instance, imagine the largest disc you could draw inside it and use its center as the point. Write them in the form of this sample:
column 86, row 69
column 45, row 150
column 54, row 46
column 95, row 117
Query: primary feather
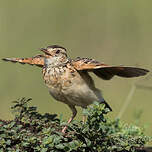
column 37, row 60
column 105, row 71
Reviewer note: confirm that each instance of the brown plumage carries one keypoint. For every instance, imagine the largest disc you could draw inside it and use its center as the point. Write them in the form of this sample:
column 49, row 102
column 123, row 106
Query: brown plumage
column 102, row 70
column 105, row 71
column 68, row 80
column 37, row 60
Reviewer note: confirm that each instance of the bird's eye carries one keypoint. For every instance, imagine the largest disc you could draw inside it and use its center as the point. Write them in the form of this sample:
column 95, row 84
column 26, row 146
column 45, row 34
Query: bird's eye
column 58, row 51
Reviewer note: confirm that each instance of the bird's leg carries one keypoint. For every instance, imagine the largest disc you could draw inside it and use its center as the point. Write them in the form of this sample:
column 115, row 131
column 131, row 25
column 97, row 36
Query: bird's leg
column 74, row 112
column 84, row 117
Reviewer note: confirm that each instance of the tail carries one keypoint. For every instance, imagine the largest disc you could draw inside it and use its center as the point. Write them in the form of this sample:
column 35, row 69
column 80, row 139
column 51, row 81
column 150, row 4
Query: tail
column 37, row 60
column 107, row 105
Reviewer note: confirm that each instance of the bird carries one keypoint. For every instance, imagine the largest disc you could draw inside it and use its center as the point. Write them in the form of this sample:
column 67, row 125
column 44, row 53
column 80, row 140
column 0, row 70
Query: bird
column 69, row 81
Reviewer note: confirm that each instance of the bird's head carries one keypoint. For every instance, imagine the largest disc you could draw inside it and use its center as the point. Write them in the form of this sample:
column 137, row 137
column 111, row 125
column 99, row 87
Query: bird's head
column 54, row 54
column 54, row 51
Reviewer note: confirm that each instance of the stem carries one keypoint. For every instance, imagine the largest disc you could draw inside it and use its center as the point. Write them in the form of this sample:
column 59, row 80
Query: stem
column 127, row 101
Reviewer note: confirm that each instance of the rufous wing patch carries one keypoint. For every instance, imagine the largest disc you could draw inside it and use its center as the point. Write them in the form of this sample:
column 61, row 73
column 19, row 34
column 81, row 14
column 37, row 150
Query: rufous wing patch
column 37, row 60
column 105, row 71
column 87, row 64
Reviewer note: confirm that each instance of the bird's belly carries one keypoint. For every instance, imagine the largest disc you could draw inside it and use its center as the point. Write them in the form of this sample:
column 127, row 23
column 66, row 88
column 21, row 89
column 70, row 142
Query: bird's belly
column 57, row 94
column 70, row 88
column 76, row 94
column 80, row 95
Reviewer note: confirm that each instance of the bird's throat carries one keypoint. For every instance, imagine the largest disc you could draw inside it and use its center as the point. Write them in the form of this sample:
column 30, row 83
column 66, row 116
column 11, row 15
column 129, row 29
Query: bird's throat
column 55, row 61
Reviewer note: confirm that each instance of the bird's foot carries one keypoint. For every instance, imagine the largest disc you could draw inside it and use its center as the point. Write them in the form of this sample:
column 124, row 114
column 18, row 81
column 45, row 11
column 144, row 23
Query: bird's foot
column 64, row 129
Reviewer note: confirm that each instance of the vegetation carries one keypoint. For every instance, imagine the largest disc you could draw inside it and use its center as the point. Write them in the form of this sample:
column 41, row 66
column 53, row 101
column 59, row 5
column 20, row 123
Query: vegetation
column 31, row 131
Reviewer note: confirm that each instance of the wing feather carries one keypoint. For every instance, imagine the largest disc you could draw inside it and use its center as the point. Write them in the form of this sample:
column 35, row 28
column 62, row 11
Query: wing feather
column 37, row 60
column 105, row 71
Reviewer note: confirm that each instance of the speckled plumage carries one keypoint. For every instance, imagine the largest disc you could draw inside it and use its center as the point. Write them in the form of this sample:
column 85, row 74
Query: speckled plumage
column 68, row 80
column 68, row 85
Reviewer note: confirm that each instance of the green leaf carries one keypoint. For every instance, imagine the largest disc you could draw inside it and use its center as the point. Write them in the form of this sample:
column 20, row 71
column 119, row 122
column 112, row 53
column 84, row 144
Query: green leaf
column 33, row 131
column 60, row 146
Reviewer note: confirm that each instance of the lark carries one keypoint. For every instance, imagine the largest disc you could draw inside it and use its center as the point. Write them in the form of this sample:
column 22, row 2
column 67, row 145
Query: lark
column 68, row 80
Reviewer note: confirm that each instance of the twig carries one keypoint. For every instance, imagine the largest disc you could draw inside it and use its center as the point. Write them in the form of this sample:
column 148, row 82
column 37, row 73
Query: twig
column 127, row 101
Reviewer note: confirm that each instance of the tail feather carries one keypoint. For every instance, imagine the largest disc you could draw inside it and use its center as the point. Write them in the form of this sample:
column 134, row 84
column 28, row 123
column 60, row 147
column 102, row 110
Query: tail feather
column 107, row 106
column 37, row 60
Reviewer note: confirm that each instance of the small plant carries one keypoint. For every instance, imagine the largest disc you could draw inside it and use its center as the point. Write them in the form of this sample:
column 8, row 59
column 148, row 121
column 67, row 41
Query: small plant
column 31, row 131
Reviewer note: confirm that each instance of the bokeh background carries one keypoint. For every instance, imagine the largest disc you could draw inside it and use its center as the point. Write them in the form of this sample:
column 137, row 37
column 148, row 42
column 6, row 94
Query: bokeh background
column 114, row 32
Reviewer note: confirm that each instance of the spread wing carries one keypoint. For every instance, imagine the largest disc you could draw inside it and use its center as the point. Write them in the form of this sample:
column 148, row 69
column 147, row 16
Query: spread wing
column 37, row 60
column 106, row 72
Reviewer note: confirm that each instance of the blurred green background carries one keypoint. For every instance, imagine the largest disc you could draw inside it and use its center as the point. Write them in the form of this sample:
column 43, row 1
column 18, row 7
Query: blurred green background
column 114, row 32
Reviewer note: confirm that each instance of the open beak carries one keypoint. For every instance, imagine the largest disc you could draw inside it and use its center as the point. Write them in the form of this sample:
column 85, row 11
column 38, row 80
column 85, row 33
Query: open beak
column 45, row 51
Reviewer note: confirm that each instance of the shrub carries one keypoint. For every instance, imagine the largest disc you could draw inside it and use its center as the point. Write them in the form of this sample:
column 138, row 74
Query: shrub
column 31, row 131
